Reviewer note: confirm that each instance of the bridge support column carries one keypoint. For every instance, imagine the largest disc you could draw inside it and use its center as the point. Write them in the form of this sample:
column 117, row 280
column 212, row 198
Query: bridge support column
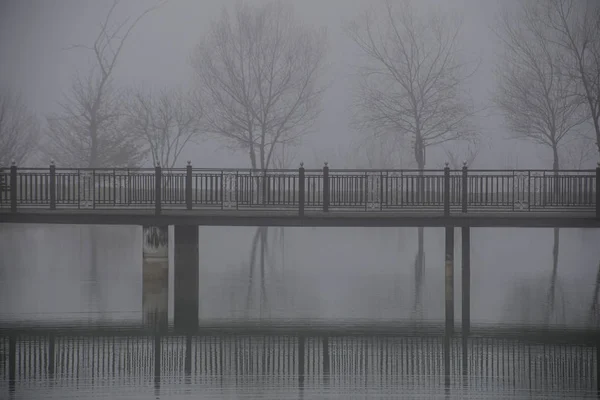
column 466, row 297
column 186, row 277
column 155, row 275
column 449, row 331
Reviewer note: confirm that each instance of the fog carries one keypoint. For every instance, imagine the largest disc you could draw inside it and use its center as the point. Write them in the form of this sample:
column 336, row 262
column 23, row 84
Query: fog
column 322, row 273
column 35, row 36
column 339, row 273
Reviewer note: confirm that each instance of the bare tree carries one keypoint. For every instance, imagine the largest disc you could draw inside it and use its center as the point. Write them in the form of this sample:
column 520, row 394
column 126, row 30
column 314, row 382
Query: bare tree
column 412, row 82
column 457, row 160
column 538, row 100
column 259, row 73
column 259, row 70
column 88, row 132
column 166, row 121
column 19, row 129
column 412, row 85
column 380, row 152
column 575, row 28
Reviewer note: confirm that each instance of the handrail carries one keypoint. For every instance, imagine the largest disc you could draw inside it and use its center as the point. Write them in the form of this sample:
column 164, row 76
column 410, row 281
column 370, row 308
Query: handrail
column 446, row 190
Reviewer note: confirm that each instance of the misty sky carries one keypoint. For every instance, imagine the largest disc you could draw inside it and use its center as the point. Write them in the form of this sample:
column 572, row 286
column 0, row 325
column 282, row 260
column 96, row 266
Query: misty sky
column 34, row 36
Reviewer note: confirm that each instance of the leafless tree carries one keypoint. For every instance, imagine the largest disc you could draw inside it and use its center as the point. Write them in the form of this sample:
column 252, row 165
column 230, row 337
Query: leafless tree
column 380, row 152
column 538, row 100
column 259, row 71
column 466, row 157
column 412, row 85
column 88, row 132
column 575, row 29
column 19, row 129
column 413, row 81
column 166, row 121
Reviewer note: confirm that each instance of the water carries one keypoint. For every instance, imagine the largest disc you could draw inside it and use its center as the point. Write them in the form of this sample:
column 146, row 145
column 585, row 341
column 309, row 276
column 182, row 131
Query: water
column 94, row 364
column 46, row 274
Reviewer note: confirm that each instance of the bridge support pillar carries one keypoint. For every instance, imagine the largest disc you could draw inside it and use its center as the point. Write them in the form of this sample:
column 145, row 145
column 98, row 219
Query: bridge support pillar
column 155, row 275
column 466, row 297
column 449, row 292
column 186, row 277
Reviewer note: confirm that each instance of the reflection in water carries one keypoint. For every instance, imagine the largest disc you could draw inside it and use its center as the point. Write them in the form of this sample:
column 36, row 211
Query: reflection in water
column 96, row 364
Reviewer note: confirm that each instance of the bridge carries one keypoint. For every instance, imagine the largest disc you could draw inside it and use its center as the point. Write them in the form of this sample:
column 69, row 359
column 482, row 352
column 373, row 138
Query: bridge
column 306, row 356
column 156, row 198
column 301, row 197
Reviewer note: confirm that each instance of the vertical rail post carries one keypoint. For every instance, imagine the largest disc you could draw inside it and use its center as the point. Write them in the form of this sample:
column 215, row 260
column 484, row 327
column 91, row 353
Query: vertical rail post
column 449, row 309
column 598, row 190
column 51, row 355
column 446, row 190
column 326, row 362
column 466, row 297
column 13, row 186
column 157, row 188
column 188, row 185
column 188, row 355
column 301, row 190
column 465, row 187
column 12, row 362
column 598, row 367
column 325, row 187
column 157, row 356
column 52, row 185
column 301, row 363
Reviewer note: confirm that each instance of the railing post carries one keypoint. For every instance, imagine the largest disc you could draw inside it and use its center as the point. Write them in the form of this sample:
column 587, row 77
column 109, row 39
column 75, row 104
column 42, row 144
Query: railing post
column 157, row 187
column 51, row 355
column 301, row 354
column 188, row 185
column 326, row 362
column 598, row 190
column 157, row 357
column 13, row 186
column 52, row 185
column 188, row 355
column 12, row 362
column 465, row 187
column 301, row 190
column 446, row 190
column 326, row 188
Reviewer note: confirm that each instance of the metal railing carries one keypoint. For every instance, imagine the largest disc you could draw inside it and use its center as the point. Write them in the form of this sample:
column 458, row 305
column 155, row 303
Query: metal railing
column 450, row 191
column 529, row 360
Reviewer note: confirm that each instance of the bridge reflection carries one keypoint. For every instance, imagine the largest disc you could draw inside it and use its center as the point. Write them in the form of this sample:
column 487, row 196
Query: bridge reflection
column 303, row 357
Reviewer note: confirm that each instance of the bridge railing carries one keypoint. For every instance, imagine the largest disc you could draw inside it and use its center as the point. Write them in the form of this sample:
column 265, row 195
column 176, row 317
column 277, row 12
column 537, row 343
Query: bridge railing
column 450, row 191
column 521, row 359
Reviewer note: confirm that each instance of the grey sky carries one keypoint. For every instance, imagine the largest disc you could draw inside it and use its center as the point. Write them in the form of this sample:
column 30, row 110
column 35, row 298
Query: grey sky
column 33, row 59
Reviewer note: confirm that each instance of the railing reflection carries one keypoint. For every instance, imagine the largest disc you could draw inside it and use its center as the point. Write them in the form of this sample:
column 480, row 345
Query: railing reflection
column 534, row 360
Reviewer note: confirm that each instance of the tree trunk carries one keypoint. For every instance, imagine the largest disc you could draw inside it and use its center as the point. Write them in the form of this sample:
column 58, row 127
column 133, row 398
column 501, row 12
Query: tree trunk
column 556, row 242
column 420, row 256
column 263, row 289
column 251, row 271
column 552, row 290
column 593, row 316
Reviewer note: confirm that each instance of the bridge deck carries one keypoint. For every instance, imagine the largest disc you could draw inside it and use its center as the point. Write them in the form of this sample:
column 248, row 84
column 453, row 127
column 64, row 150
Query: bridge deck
column 314, row 218
column 479, row 198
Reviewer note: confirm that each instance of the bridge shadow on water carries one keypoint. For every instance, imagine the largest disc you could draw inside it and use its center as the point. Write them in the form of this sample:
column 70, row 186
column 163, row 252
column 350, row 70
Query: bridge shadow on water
column 294, row 361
